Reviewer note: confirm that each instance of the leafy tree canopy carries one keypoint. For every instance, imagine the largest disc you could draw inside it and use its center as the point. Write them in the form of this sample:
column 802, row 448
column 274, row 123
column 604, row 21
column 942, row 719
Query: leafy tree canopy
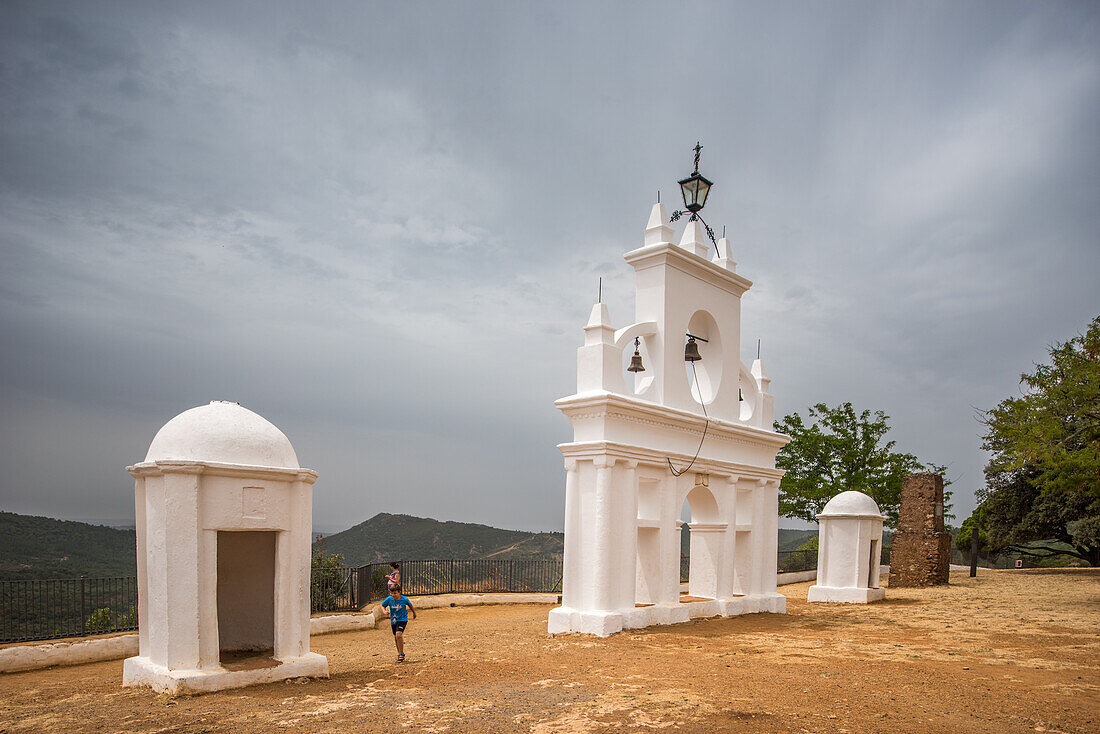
column 1053, row 429
column 841, row 450
column 1043, row 478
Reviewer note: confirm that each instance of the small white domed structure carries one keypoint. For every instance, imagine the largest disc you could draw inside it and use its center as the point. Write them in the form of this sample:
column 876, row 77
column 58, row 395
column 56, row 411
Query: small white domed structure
column 224, row 518
column 225, row 433
column 849, row 551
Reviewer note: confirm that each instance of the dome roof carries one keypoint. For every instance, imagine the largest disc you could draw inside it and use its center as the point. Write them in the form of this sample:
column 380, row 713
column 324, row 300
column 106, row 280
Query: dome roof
column 224, row 433
column 851, row 503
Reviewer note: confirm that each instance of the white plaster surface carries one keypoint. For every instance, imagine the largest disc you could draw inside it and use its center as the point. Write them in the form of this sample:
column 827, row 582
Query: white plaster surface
column 222, row 432
column 31, row 657
column 224, row 528
column 622, row 502
column 849, row 551
column 796, row 577
column 845, row 595
column 140, row 671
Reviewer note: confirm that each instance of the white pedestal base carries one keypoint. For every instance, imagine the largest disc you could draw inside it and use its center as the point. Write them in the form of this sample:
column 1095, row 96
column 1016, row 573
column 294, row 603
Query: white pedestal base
column 139, row 671
column 839, row 595
column 603, row 624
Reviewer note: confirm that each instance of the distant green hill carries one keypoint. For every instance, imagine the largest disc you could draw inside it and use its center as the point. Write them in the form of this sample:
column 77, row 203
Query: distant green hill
column 387, row 537
column 792, row 539
column 44, row 548
column 41, row 547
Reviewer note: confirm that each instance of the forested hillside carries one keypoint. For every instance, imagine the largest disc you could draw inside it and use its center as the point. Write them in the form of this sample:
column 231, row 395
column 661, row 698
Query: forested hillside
column 41, row 547
column 44, row 548
column 387, row 537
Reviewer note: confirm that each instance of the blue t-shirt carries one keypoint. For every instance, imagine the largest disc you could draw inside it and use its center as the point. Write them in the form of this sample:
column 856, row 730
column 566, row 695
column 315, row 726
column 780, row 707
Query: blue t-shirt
column 399, row 608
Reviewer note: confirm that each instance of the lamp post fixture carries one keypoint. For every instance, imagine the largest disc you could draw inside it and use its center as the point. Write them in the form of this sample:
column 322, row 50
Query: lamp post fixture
column 695, row 189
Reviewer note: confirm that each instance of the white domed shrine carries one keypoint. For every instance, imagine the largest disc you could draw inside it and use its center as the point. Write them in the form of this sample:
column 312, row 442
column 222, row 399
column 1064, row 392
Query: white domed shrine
column 849, row 551
column 224, row 519
column 222, row 432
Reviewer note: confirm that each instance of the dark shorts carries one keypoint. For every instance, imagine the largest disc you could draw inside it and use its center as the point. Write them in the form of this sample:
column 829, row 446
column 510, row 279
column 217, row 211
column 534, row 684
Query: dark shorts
column 396, row 627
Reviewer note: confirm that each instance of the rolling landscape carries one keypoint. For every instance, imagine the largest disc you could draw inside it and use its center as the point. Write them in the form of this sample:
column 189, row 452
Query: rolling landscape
column 43, row 548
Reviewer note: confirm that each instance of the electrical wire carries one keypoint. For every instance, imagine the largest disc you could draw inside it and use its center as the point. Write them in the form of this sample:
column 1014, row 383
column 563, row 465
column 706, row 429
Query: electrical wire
column 681, row 472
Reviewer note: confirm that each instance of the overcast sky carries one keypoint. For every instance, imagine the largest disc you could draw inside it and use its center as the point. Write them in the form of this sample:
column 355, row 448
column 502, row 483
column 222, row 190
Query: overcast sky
column 380, row 225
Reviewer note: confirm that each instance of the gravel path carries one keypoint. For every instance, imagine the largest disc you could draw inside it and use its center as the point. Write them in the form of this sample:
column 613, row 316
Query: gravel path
column 1008, row 651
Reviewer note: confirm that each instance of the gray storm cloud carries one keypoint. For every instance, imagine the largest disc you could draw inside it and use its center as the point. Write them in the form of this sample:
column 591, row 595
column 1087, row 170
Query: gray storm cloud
column 381, row 228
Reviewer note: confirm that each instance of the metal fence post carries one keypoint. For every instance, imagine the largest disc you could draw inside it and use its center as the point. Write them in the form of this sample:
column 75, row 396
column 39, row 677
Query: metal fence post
column 82, row 612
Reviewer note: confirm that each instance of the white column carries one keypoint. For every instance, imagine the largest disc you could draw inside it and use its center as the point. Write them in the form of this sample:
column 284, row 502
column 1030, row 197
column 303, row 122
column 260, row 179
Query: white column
column 156, row 572
column 602, row 556
column 209, row 644
column 181, row 493
column 142, row 568
column 727, row 504
column 759, row 531
column 669, row 590
column 770, row 502
column 292, row 573
column 625, row 526
column 571, row 553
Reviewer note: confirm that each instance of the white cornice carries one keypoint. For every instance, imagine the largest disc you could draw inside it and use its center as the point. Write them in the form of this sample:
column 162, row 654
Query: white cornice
column 666, row 253
column 645, row 456
column 213, row 468
column 622, row 407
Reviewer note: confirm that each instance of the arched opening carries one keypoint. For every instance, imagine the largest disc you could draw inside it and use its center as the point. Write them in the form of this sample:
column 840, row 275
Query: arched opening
column 705, row 376
column 700, row 544
column 639, row 383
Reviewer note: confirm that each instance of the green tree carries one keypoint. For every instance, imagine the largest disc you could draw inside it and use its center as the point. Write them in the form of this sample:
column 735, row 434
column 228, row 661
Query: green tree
column 975, row 522
column 1053, row 429
column 1042, row 494
column 1020, row 518
column 328, row 581
column 841, row 450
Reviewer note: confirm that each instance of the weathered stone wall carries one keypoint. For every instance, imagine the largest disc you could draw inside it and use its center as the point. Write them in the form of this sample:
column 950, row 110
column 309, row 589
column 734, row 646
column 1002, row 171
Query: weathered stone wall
column 920, row 553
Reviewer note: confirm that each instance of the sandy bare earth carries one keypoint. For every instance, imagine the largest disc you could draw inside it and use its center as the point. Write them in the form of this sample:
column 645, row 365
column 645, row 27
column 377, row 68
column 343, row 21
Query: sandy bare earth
column 1009, row 651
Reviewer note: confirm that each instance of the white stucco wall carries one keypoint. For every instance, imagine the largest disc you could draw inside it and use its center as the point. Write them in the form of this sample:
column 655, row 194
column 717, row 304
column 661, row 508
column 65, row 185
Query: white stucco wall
column 75, row 652
column 622, row 501
column 849, row 551
column 221, row 471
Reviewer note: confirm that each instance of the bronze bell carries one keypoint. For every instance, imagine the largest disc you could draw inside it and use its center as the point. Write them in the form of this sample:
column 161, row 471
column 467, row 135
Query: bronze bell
column 636, row 360
column 691, row 351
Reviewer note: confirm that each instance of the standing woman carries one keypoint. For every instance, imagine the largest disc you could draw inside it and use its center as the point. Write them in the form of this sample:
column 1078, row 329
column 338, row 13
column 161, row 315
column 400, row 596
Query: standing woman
column 394, row 577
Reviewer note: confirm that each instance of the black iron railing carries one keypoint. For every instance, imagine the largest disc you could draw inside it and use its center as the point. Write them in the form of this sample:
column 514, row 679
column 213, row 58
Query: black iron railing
column 34, row 609
column 479, row 576
column 796, row 560
column 46, row 609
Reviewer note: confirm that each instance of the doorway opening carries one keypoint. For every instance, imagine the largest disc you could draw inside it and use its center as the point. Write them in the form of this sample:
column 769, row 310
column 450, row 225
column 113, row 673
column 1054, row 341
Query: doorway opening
column 246, row 598
column 872, row 577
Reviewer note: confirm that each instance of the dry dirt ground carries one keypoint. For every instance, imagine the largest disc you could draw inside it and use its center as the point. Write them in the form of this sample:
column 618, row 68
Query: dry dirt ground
column 1008, row 651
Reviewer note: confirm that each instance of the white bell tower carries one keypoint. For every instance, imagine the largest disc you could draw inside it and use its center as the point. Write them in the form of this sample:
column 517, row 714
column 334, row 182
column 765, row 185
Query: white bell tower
column 643, row 446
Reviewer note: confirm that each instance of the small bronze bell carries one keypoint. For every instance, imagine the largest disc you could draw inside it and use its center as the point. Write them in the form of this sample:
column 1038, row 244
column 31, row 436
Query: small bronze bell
column 691, row 351
column 636, row 360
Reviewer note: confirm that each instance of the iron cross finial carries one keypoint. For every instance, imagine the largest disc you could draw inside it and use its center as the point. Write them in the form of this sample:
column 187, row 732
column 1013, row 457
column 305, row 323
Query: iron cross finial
column 697, row 149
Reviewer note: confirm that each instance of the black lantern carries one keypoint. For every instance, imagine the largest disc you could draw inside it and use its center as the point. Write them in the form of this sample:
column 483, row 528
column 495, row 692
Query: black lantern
column 695, row 189
column 636, row 360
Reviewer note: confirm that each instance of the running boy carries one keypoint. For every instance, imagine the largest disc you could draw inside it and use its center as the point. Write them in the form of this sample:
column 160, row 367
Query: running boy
column 397, row 609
